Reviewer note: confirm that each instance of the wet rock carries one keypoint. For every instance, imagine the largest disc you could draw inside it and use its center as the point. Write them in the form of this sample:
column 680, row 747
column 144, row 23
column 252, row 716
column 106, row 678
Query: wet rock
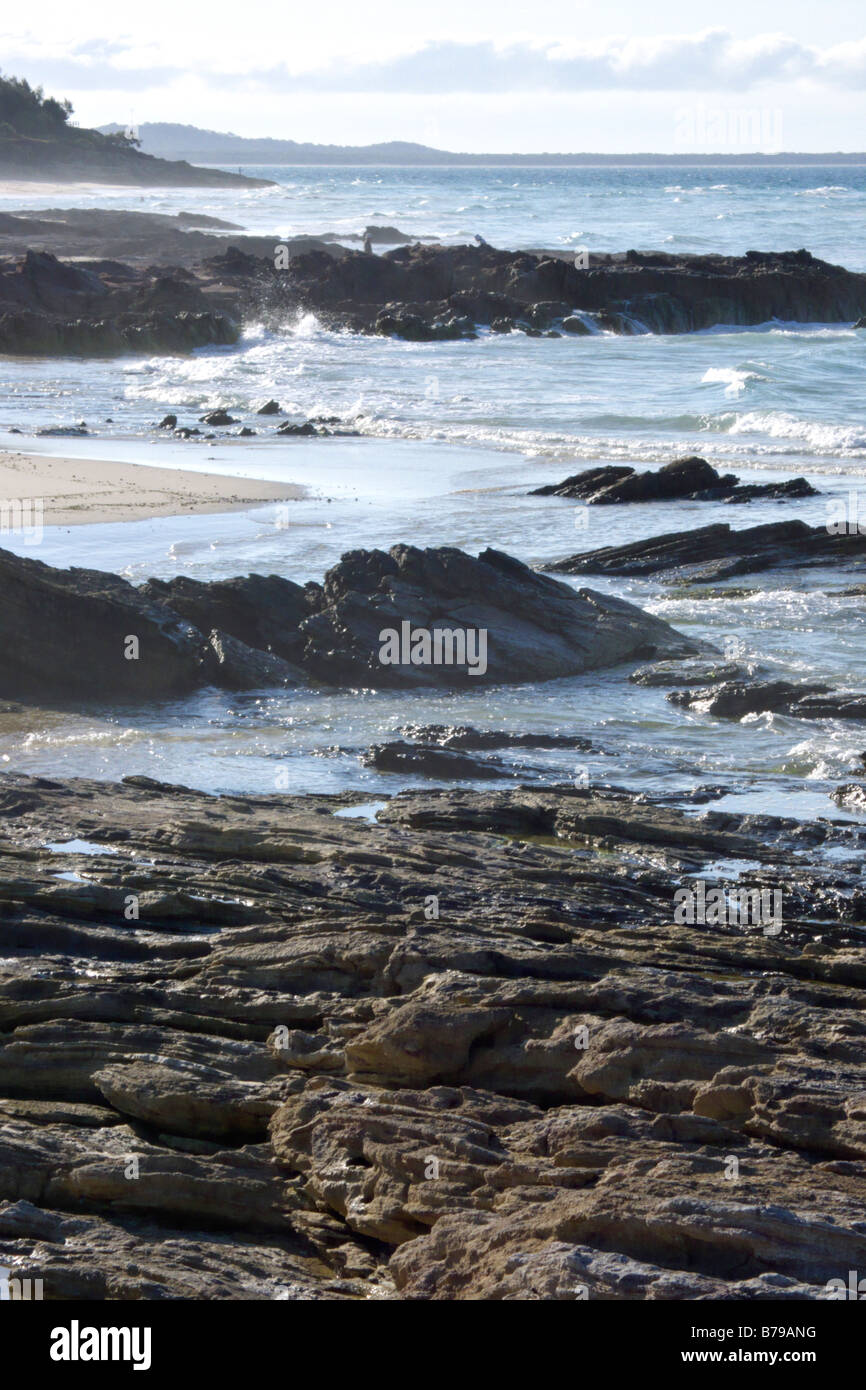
column 168, row 422
column 240, row 667
column 61, row 431
column 386, row 236
column 687, row 478
column 464, row 736
column 710, row 554
column 218, row 417
column 704, row 673
column 261, row 611
column 269, row 408
column 464, row 1051
column 535, row 628
column 733, row 700
column 307, row 428
column 573, row 323
column 430, row 760
column 71, row 633
column 547, row 312
column 836, row 705
column 851, row 796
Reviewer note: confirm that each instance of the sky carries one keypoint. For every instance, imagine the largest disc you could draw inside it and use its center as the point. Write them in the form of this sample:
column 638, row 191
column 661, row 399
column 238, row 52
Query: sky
column 622, row 76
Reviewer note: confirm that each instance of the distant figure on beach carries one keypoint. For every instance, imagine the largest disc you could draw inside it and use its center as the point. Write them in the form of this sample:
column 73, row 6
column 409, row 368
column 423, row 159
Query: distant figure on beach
column 479, row 238
column 368, row 246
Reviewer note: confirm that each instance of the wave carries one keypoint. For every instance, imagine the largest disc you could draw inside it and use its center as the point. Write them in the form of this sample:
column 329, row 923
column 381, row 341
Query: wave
column 822, row 191
column 842, row 440
column 734, row 379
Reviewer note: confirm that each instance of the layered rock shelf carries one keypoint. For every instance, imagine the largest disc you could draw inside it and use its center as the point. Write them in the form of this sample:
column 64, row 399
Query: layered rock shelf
column 253, row 1049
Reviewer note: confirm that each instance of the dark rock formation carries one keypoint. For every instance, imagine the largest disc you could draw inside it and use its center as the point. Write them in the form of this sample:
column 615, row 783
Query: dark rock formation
column 417, row 286
column 686, row 478
column 463, row 736
column 466, row 1052
column 667, row 673
column 433, row 760
column 68, row 632
column 421, row 293
column 264, row 611
column 851, row 796
column 81, row 634
column 534, row 628
column 450, row 752
column 218, row 417
column 733, row 700
column 307, row 428
column 712, row 553
column 49, row 309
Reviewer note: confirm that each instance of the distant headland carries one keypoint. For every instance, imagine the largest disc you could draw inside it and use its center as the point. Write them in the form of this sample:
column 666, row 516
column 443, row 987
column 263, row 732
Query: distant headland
column 171, row 141
column 40, row 143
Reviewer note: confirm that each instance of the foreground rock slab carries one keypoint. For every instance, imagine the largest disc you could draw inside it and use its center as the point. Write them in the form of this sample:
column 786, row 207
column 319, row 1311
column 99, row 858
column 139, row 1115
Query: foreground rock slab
column 464, row 1051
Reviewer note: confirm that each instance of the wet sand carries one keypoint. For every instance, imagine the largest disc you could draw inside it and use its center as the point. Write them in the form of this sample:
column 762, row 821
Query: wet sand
column 74, row 491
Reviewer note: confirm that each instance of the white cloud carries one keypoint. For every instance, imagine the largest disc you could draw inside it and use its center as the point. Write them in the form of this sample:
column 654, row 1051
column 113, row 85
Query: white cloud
column 712, row 59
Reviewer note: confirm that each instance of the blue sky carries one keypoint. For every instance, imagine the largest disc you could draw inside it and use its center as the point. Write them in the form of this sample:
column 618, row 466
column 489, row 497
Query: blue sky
column 606, row 77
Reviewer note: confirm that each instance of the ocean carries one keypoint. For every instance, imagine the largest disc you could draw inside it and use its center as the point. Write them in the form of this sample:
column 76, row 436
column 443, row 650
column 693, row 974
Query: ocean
column 451, row 438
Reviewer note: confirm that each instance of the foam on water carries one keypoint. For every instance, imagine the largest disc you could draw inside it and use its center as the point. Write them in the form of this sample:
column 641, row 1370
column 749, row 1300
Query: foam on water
column 454, row 436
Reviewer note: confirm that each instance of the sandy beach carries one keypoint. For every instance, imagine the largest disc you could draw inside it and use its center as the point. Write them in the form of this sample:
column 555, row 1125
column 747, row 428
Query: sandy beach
column 77, row 491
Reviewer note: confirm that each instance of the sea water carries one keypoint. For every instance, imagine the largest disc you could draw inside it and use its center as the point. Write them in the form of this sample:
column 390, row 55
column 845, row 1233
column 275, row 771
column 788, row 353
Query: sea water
column 451, row 437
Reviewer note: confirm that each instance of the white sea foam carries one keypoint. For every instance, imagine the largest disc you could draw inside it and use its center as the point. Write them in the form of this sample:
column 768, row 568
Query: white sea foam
column 734, row 379
column 815, row 435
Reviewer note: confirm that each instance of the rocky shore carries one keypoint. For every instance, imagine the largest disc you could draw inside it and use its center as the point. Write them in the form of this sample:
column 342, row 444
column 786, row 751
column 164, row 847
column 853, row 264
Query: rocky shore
column 254, row 1049
column 200, row 290
column 78, row 634
column 425, row 293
